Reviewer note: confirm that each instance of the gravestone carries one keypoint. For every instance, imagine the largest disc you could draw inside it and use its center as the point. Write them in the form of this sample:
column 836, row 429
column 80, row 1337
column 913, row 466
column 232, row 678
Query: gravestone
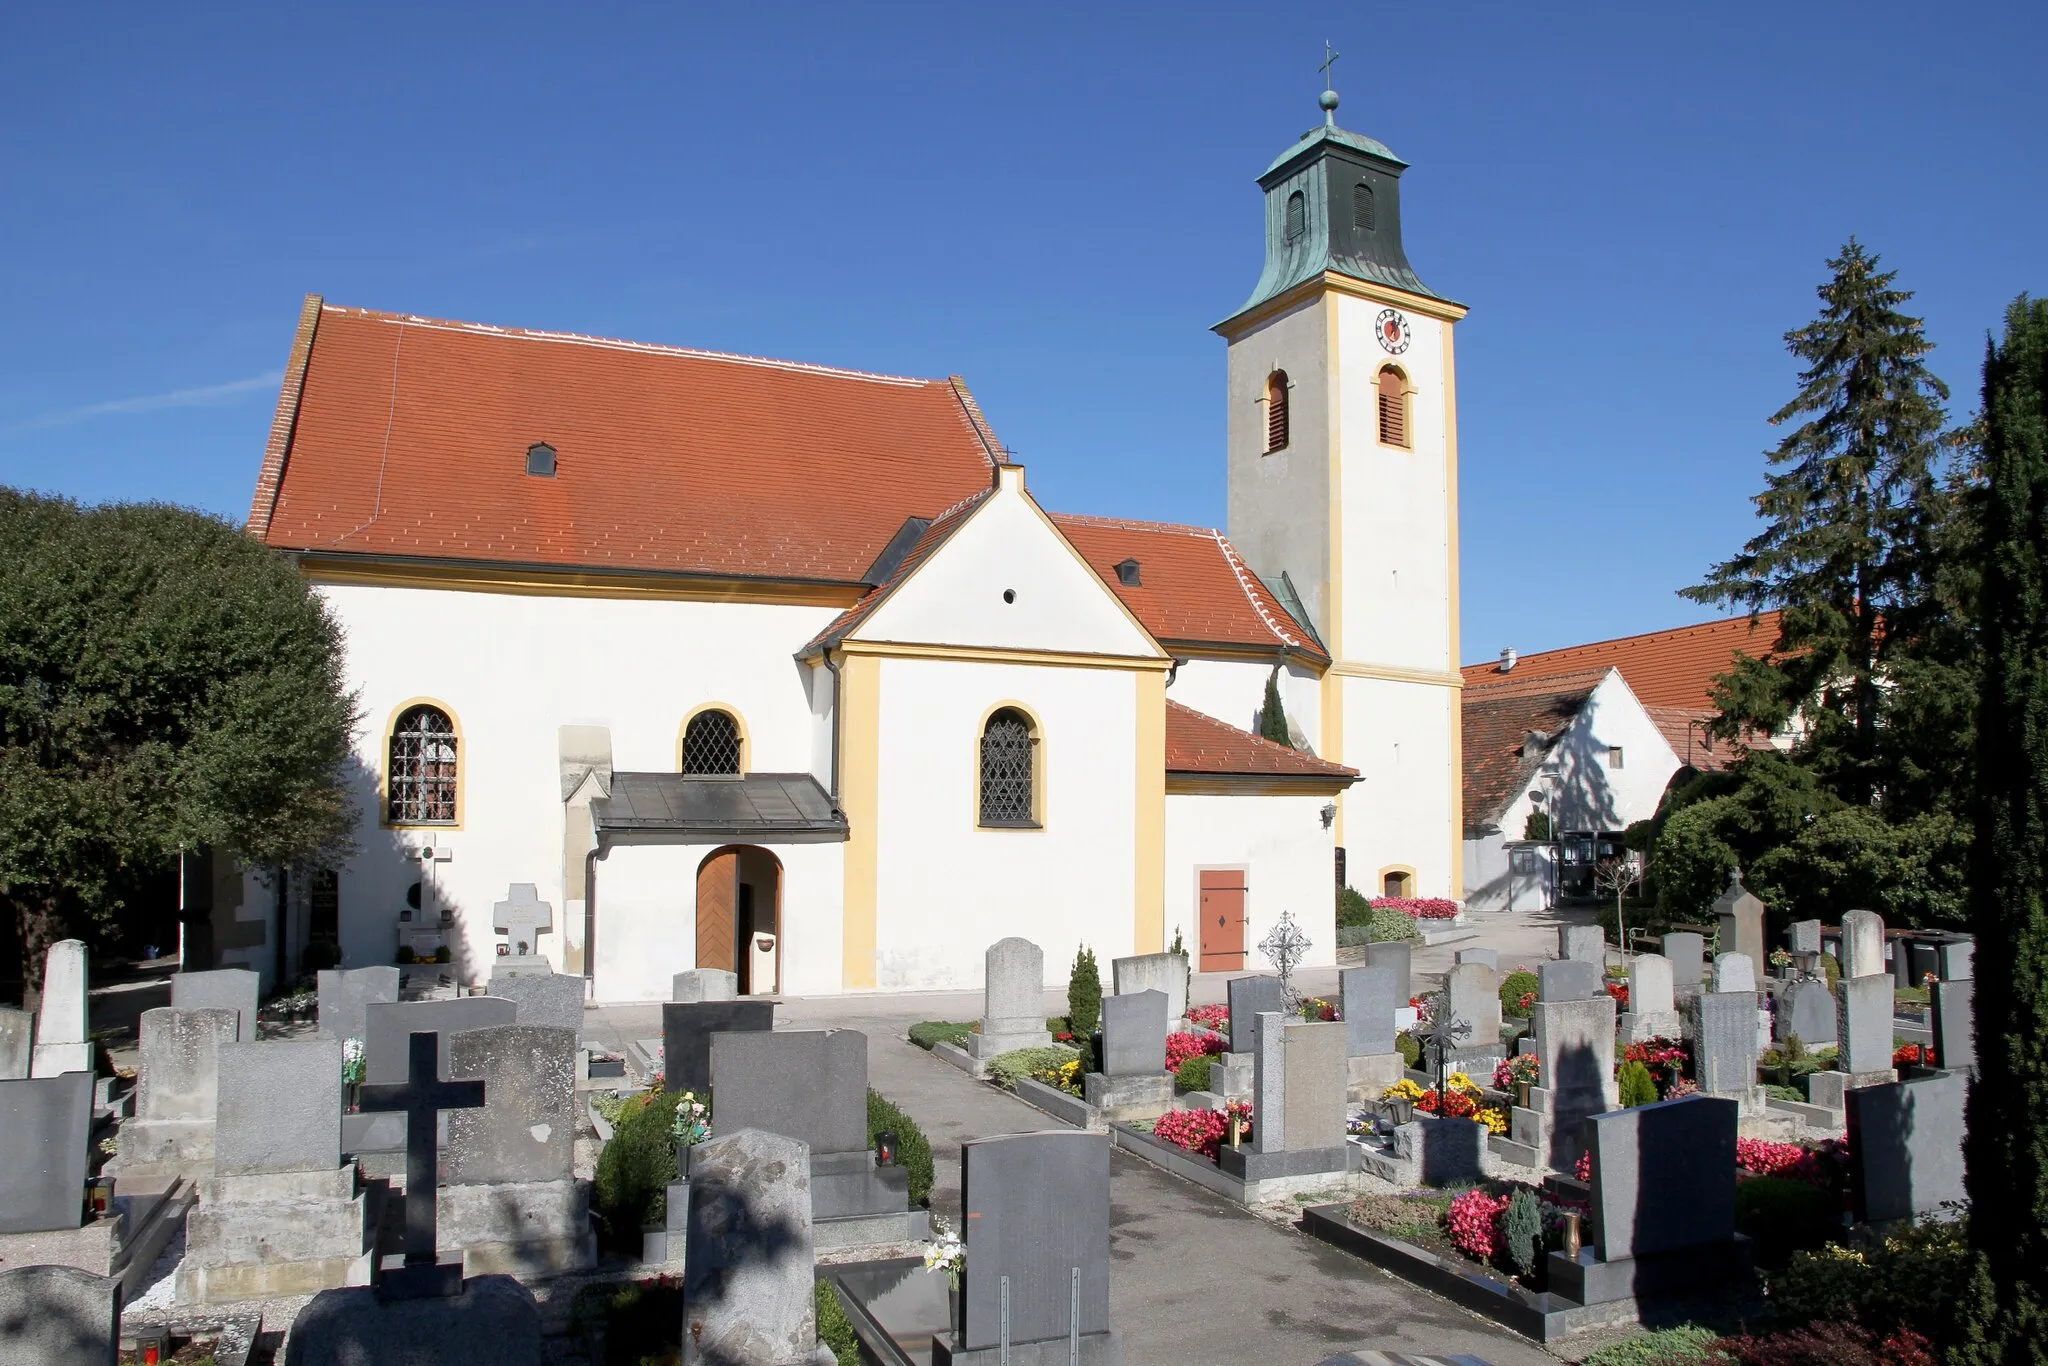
column 1567, row 979
column 1955, row 1037
column 1803, row 936
column 1269, row 1082
column 421, row 1273
column 542, row 997
column 1315, row 1056
column 1583, row 944
column 220, row 989
column 1037, row 1215
column 1741, row 918
column 509, row 1197
column 388, row 1028
column 45, row 1130
column 1735, row 972
column 1688, row 954
column 346, row 993
column 177, row 1086
column 686, row 1030
column 1724, row 1044
column 1863, row 1023
column 1575, row 1073
column 1167, row 972
column 522, row 917
column 1370, row 996
column 1652, row 1000
column 61, row 1042
column 493, row 1321
column 1487, row 956
column 1862, row 944
column 1013, row 1000
column 1473, row 993
column 279, row 1107
column 1807, row 1008
column 704, row 984
column 1663, row 1176
column 1446, row 1152
column 1134, row 1034
column 748, row 1262
column 58, row 1316
column 17, row 1041
column 1952, row 959
column 1250, row 997
column 1393, row 954
column 1906, row 1147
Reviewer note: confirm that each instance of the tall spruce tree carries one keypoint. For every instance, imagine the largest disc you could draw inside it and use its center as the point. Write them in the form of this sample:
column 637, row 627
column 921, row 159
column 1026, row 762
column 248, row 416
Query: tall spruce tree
column 1273, row 715
column 2006, row 1148
column 1845, row 507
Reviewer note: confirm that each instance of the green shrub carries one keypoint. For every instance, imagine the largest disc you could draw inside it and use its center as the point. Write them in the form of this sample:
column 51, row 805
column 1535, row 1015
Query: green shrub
column 1352, row 907
column 1831, row 966
column 1521, row 1227
column 635, row 1169
column 321, row 951
column 1354, row 936
column 1911, row 1279
column 835, row 1330
column 928, row 1033
column 1389, row 926
column 1513, row 987
column 1007, row 1069
column 1193, row 1075
column 913, row 1149
column 1776, row 1092
column 639, row 1318
column 1410, row 1049
column 1685, row 1346
column 1084, row 1004
column 1783, row 1216
column 1636, row 1084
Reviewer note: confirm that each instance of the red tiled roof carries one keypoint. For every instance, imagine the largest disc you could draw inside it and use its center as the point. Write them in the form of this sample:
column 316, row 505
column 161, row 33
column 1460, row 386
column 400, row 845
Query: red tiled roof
column 1497, row 718
column 1199, row 743
column 1194, row 588
column 408, row 437
column 1688, row 740
column 1674, row 668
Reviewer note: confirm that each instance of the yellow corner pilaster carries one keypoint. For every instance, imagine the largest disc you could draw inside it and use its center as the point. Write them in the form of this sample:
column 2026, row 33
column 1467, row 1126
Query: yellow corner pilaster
column 1148, row 844
column 1456, row 700
column 860, row 751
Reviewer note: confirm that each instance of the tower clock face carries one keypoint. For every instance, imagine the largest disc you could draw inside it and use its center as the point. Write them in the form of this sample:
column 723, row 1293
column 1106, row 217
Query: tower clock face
column 1393, row 330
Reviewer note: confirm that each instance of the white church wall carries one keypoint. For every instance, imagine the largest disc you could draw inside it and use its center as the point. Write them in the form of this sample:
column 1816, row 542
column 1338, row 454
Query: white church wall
column 947, row 889
column 1399, row 736
column 1279, row 500
column 511, row 669
column 1233, row 691
column 1289, row 858
column 1583, row 789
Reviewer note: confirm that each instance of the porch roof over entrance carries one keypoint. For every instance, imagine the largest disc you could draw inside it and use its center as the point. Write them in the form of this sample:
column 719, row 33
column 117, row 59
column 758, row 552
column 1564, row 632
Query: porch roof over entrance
column 753, row 808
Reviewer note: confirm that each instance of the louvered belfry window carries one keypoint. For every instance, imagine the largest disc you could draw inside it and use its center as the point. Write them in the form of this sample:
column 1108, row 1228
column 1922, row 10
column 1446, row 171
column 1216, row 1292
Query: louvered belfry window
column 1363, row 215
column 1393, row 408
column 1297, row 215
column 1276, row 411
column 422, row 777
column 711, row 743
column 1007, row 775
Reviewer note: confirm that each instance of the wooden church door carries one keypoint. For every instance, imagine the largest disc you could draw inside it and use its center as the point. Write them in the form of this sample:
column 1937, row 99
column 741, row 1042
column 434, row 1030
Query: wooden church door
column 718, row 895
column 1221, row 939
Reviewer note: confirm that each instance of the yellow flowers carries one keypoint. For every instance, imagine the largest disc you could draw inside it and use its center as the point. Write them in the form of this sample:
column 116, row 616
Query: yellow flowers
column 1403, row 1089
column 1494, row 1118
column 1458, row 1081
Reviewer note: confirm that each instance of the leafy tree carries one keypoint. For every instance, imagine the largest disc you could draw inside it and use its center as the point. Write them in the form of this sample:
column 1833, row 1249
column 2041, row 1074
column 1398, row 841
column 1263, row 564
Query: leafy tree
column 1272, row 715
column 165, row 682
column 2006, row 1144
column 1847, row 511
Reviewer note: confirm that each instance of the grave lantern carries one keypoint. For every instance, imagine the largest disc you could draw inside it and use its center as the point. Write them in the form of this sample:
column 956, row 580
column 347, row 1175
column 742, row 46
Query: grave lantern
column 885, row 1148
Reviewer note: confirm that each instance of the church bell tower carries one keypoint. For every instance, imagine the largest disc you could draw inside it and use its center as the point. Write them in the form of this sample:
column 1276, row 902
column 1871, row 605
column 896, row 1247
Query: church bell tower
column 1343, row 475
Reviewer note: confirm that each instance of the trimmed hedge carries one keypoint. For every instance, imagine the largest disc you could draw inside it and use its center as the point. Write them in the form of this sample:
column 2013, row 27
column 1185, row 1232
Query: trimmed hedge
column 635, row 1169
column 1353, row 910
column 1665, row 1347
column 928, row 1033
column 1513, row 987
column 913, row 1149
column 1193, row 1075
column 1388, row 926
column 835, row 1330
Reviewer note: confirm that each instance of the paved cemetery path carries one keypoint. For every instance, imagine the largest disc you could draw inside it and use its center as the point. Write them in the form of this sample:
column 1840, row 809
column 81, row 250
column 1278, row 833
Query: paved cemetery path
column 1193, row 1277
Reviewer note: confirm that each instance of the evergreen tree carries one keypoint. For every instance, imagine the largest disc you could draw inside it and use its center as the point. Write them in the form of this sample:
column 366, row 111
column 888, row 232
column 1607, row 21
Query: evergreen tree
column 2006, row 1146
column 1273, row 716
column 1846, row 509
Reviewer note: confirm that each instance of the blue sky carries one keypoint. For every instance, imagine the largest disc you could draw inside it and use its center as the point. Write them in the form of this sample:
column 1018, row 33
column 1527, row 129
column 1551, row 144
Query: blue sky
column 1054, row 201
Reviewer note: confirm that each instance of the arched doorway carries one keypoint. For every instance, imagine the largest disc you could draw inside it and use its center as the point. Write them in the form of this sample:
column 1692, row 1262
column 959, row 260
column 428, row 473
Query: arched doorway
column 739, row 916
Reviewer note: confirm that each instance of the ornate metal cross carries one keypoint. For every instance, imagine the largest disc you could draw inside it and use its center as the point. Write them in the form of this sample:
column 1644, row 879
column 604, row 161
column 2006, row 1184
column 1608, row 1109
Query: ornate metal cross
column 421, row 1096
column 521, row 917
column 1445, row 1029
column 1285, row 946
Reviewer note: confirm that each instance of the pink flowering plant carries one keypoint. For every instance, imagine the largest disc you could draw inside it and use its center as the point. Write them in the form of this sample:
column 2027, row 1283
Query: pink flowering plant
column 1519, row 1070
column 1209, row 1017
column 1187, row 1044
column 1473, row 1221
column 1824, row 1164
column 1421, row 907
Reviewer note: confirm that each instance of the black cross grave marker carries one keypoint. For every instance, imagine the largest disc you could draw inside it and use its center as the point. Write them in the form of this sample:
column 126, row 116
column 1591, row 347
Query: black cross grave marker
column 421, row 1096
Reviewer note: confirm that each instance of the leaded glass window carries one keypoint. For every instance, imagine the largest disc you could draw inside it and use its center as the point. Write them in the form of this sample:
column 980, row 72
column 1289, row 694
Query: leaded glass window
column 422, row 778
column 711, row 743
column 1007, row 770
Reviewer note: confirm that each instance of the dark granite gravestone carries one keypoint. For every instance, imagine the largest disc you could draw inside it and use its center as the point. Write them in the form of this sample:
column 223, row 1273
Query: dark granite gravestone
column 422, row 1274
column 807, row 1084
column 1906, row 1146
column 45, row 1129
column 1688, row 954
column 1446, row 1152
column 1952, row 958
column 389, row 1025
column 1370, row 997
column 1393, row 954
column 1250, row 997
column 1134, row 1034
column 1663, row 1176
column 58, row 1316
column 1955, row 1035
column 1567, row 979
column 1037, row 1214
column 492, row 1322
column 1807, row 1008
column 686, row 1030
column 345, row 993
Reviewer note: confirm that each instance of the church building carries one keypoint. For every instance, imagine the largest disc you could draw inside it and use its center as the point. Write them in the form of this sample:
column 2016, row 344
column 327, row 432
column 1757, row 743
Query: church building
column 783, row 669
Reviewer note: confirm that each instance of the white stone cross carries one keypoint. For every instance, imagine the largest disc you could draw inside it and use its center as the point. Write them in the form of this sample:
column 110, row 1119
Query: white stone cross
column 521, row 917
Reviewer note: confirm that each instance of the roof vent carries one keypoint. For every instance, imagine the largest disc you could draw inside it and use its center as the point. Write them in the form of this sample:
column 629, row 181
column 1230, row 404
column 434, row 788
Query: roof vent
column 1507, row 659
column 540, row 460
column 1127, row 574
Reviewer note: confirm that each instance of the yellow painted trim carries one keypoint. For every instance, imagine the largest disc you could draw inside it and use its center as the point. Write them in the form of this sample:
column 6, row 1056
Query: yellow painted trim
column 987, row 655
column 1333, row 454
column 1333, row 738
column 1040, row 767
column 739, row 722
column 384, row 767
column 1392, row 674
column 575, row 583
column 1233, row 329
column 859, row 717
column 1379, row 881
column 1457, row 726
column 1252, row 785
column 1148, row 842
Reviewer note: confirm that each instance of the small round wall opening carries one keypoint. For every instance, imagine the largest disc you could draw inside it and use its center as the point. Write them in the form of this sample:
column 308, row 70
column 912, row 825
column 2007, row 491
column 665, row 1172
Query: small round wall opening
column 1009, row 595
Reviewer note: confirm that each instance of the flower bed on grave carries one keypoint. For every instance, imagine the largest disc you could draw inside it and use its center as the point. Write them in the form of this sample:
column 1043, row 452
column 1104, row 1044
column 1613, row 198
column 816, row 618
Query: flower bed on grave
column 1210, row 1017
column 1201, row 1133
column 1502, row 1230
column 1185, row 1044
column 1461, row 1098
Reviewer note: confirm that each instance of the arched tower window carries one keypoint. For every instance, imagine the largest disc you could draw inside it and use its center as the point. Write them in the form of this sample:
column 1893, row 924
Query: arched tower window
column 1393, row 394
column 420, row 784
column 1297, row 216
column 711, row 743
column 1009, row 778
column 1276, row 411
column 1363, row 215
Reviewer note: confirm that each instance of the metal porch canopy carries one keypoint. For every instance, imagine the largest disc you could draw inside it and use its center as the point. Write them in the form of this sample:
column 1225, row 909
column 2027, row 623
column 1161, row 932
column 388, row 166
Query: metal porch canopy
column 752, row 808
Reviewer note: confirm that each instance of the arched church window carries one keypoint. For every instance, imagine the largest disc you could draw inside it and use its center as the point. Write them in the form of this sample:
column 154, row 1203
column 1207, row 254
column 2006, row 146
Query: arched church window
column 1363, row 215
column 1393, row 395
column 421, row 782
column 711, row 743
column 1008, row 770
column 1297, row 215
column 1276, row 411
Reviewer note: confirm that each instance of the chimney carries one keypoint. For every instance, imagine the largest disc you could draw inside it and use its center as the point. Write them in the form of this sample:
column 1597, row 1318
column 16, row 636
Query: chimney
column 1507, row 659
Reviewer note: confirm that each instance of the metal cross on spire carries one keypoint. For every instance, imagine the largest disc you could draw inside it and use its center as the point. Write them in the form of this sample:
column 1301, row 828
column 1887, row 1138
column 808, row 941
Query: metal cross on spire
column 1285, row 946
column 1329, row 96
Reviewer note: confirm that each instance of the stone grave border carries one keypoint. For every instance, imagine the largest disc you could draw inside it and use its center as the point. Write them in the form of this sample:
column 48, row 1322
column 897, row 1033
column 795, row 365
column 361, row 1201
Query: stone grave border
column 1215, row 1176
column 867, row 1330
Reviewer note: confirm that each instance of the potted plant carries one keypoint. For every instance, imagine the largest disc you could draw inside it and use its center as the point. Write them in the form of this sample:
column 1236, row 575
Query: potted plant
column 352, row 1071
column 945, row 1252
column 1516, row 1075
